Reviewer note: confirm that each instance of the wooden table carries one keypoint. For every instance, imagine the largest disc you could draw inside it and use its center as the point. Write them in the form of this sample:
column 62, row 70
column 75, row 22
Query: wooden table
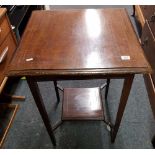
column 79, row 44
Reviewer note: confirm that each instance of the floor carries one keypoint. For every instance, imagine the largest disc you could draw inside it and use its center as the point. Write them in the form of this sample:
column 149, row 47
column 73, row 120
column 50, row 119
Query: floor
column 136, row 131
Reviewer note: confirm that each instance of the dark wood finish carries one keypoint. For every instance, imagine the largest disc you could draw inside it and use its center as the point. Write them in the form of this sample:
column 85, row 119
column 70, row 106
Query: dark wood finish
column 123, row 101
column 148, row 42
column 82, row 104
column 9, row 42
column 153, row 141
column 149, row 15
column 151, row 91
column 79, row 44
column 11, row 31
column 39, row 102
column 7, row 39
column 56, row 91
column 143, row 13
column 152, row 25
column 74, row 42
column 107, row 88
column 139, row 15
column 139, row 19
column 134, row 11
column 2, row 12
column 148, row 11
column 4, row 28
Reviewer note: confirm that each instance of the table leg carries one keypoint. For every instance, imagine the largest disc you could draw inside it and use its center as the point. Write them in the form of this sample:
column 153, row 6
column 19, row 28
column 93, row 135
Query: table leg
column 40, row 105
column 133, row 14
column 56, row 91
column 107, row 88
column 123, row 101
column 153, row 141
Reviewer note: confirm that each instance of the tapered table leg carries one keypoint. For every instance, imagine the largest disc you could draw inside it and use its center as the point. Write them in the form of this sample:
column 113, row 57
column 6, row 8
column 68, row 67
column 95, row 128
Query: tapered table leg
column 123, row 101
column 133, row 14
column 56, row 91
column 153, row 141
column 107, row 88
column 39, row 102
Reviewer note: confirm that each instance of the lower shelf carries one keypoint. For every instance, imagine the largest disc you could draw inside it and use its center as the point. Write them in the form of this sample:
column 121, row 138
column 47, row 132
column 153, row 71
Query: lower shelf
column 6, row 121
column 82, row 104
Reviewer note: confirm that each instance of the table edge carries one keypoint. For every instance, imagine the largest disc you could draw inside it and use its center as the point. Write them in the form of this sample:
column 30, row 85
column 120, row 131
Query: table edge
column 79, row 72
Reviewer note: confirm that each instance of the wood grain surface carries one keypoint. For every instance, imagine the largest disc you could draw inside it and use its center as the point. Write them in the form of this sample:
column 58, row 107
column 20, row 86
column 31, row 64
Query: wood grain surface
column 82, row 104
column 75, row 41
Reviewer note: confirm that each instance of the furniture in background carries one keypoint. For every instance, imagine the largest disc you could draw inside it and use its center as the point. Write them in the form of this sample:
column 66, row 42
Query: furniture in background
column 8, row 46
column 145, row 16
column 70, row 47
column 13, row 20
column 19, row 16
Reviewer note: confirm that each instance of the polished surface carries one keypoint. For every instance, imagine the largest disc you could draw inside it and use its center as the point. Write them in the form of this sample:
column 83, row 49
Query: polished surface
column 79, row 40
column 10, row 45
column 4, row 29
column 2, row 12
column 82, row 104
column 66, row 44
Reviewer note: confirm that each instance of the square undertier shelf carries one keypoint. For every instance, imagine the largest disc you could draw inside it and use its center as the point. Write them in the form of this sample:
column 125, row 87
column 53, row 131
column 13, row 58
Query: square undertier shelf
column 82, row 104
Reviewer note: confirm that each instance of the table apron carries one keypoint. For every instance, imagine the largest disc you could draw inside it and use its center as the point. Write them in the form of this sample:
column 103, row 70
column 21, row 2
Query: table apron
column 64, row 78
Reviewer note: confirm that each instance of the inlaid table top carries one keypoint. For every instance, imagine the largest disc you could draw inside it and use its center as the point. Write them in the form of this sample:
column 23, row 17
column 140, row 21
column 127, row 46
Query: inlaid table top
column 79, row 41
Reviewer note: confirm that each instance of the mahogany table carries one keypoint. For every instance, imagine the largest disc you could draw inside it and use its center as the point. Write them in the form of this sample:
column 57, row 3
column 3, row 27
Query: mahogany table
column 79, row 44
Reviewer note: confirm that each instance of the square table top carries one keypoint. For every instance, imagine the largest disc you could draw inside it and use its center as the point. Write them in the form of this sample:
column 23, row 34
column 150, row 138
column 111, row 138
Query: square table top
column 79, row 41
